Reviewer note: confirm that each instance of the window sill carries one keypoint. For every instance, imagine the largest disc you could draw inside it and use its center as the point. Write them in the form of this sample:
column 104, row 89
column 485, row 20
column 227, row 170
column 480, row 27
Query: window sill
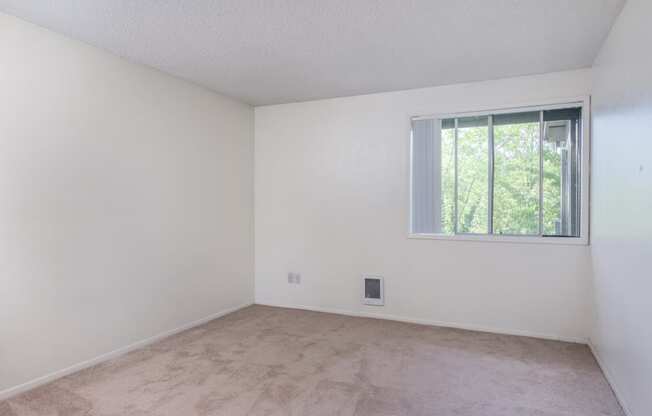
column 565, row 241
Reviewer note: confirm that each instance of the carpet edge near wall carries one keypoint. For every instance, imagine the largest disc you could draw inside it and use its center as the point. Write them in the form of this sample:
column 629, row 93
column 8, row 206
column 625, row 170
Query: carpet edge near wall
column 50, row 377
column 432, row 322
column 610, row 379
column 479, row 328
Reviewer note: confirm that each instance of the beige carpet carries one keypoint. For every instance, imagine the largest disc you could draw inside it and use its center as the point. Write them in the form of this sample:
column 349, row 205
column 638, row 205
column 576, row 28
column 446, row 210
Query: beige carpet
column 273, row 361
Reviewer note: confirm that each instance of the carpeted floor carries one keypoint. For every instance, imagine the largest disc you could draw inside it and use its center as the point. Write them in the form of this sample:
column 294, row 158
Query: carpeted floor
column 273, row 361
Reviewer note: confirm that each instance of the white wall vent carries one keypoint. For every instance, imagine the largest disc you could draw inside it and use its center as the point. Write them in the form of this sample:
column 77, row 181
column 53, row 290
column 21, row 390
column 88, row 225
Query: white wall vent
column 373, row 290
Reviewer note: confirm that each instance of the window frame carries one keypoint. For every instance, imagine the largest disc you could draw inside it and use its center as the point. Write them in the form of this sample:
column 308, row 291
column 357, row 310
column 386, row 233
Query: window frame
column 583, row 102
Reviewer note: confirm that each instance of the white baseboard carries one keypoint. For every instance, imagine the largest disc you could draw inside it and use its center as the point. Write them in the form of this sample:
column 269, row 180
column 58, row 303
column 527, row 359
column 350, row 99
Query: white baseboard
column 610, row 379
column 12, row 391
column 430, row 322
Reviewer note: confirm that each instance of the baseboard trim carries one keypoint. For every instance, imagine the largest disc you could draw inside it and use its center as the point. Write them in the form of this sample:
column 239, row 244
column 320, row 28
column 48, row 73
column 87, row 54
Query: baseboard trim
column 430, row 322
column 610, row 379
column 21, row 388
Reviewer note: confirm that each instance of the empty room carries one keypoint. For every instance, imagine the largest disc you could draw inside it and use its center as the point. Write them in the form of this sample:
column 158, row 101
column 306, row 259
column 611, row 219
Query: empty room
column 325, row 208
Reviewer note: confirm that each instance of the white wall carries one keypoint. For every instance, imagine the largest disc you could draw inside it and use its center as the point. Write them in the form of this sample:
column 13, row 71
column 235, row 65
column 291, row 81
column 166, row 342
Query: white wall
column 125, row 202
column 622, row 202
column 331, row 186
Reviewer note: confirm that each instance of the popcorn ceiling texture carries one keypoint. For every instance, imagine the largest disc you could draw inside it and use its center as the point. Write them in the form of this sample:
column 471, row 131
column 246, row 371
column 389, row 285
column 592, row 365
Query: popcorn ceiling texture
column 266, row 52
column 273, row 361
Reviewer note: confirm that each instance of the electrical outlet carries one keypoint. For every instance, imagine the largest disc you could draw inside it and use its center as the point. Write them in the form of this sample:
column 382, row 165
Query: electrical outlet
column 294, row 278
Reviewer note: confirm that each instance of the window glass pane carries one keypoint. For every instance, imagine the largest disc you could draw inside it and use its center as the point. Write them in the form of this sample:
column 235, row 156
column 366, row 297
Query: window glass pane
column 561, row 172
column 448, row 177
column 472, row 175
column 452, row 178
column 516, row 173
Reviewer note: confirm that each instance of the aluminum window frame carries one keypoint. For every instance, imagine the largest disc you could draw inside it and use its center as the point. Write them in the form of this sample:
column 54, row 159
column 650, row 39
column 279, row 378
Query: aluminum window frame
column 583, row 102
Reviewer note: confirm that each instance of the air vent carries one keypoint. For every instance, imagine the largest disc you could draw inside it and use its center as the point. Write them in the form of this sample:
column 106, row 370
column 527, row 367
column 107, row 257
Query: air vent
column 373, row 290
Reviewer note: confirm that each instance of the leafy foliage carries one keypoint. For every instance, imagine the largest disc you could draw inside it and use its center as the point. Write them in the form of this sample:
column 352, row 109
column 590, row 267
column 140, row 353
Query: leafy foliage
column 516, row 180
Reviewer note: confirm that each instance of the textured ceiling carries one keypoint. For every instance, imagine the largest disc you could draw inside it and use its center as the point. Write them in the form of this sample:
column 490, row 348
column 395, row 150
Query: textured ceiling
column 275, row 51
